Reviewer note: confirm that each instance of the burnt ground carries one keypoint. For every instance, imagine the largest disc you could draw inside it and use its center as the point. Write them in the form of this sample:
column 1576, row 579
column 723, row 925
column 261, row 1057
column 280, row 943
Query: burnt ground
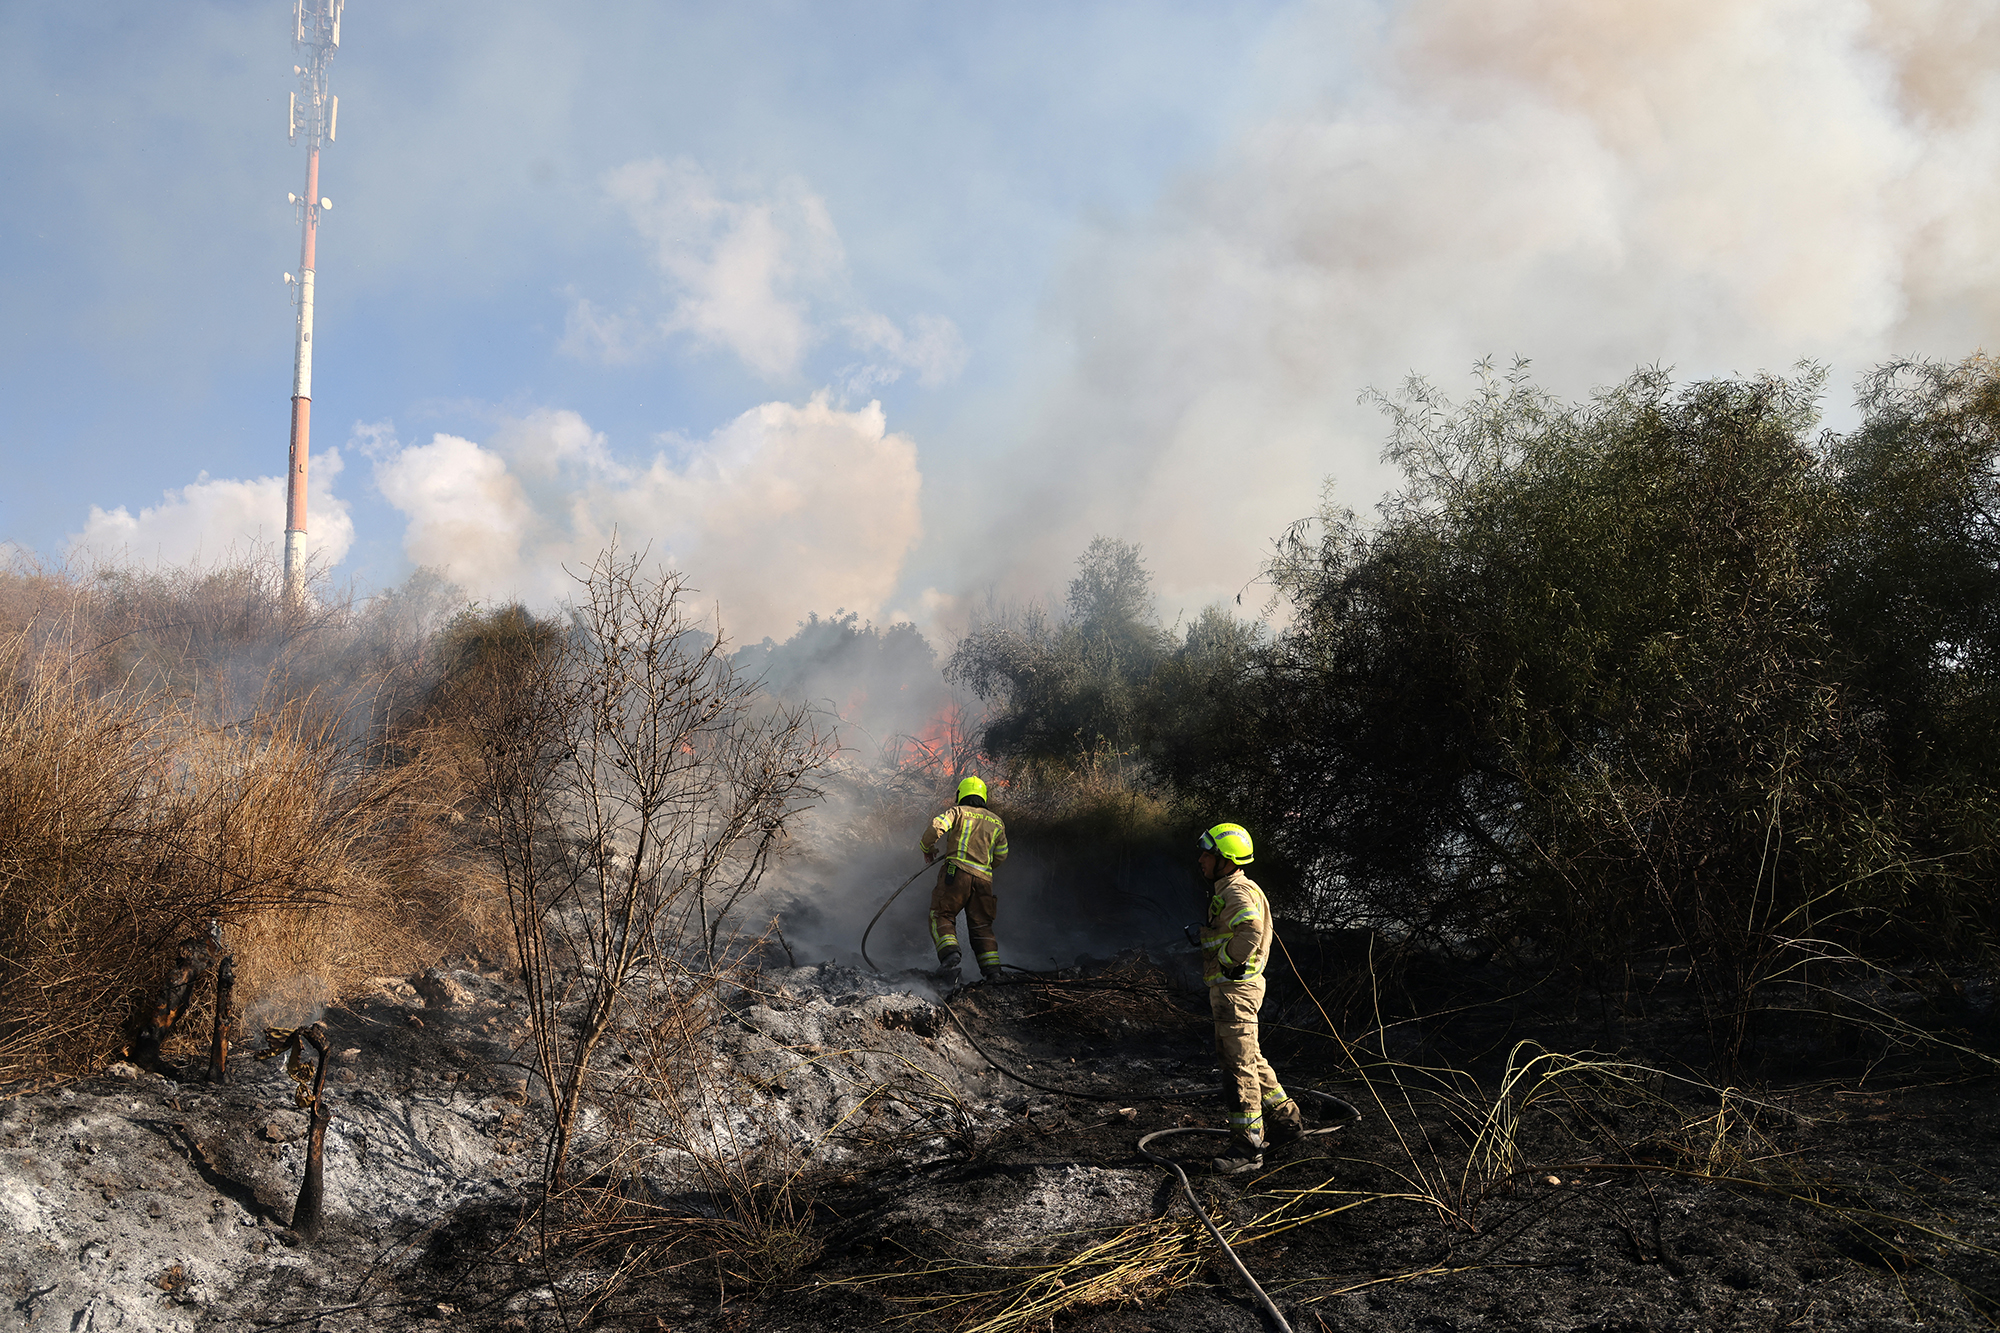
column 1845, row 1183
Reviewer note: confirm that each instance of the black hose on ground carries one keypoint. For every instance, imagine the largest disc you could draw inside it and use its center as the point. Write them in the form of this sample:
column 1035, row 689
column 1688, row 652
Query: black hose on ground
column 883, row 908
column 1193, row 1095
column 1264, row 1302
column 1354, row 1114
column 1187, row 1187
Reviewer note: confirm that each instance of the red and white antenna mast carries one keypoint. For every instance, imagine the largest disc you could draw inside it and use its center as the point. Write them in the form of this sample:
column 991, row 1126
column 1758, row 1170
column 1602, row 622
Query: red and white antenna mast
column 315, row 113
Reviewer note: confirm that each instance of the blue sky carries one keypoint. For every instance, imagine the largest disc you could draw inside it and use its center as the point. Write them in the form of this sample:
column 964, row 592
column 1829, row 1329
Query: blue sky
column 892, row 306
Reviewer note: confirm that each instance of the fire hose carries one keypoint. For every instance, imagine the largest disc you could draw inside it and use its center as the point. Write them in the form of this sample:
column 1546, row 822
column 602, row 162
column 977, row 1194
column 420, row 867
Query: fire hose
column 883, row 908
column 1264, row 1302
column 1265, row 1305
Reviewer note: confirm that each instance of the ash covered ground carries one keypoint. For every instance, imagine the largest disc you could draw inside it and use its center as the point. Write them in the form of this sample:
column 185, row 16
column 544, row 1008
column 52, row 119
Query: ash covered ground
column 906, row 1180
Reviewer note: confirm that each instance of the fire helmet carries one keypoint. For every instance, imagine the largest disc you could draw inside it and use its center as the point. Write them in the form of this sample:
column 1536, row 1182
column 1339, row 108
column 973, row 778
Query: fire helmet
column 971, row 787
column 1231, row 841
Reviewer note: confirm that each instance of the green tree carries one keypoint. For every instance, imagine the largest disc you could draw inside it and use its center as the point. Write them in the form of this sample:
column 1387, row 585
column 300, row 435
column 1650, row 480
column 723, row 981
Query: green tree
column 1069, row 692
column 1585, row 682
column 1914, row 599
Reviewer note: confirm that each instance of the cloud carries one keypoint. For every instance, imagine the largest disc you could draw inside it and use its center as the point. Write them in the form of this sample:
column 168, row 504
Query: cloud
column 785, row 510
column 932, row 348
column 1715, row 185
column 743, row 270
column 762, row 276
column 210, row 520
column 466, row 513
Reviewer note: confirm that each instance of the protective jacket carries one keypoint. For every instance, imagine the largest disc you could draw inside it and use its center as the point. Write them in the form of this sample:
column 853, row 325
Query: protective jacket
column 1238, row 931
column 1238, row 934
column 969, row 836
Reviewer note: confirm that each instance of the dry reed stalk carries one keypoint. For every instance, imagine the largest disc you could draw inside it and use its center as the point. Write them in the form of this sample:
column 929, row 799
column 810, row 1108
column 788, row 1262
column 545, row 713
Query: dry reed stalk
column 1131, row 1266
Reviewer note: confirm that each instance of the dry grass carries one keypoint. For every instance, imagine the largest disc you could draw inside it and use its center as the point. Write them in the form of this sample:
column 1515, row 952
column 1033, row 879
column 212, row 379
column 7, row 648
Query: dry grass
column 1130, row 1265
column 174, row 748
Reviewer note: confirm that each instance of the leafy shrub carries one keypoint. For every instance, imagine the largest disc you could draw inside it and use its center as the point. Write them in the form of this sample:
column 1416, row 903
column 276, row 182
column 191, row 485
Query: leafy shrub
column 1618, row 674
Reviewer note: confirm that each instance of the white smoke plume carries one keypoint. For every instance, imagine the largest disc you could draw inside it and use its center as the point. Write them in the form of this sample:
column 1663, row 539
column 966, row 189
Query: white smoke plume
column 215, row 518
column 764, row 278
column 784, row 511
column 1718, row 186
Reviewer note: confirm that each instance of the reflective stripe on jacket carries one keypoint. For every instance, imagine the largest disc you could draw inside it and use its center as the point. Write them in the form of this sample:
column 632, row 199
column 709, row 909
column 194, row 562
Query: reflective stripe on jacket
column 973, row 837
column 1238, row 930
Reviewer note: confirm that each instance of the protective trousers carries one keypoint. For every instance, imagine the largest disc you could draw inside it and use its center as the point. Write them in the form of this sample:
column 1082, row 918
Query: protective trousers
column 973, row 895
column 1245, row 1071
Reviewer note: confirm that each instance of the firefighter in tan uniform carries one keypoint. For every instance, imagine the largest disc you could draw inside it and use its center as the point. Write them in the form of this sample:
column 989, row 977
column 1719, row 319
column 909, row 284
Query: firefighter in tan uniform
column 973, row 842
column 1236, row 945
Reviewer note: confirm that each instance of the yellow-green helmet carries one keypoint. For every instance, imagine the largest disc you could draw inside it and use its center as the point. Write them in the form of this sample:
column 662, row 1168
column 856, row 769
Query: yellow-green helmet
column 971, row 787
column 1231, row 841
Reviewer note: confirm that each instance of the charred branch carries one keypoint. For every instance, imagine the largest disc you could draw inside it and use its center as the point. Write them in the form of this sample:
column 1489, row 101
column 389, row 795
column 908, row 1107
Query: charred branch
column 198, row 957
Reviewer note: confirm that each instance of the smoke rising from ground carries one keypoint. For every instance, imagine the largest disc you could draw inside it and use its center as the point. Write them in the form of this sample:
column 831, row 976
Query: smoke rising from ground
column 907, row 736
column 1053, row 907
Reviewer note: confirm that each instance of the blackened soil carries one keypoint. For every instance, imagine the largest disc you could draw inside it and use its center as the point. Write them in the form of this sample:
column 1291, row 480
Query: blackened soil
column 1843, row 1184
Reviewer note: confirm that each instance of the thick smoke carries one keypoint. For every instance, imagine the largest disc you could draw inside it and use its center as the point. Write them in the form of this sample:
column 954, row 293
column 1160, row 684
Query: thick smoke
column 1716, row 185
column 907, row 737
column 1712, row 185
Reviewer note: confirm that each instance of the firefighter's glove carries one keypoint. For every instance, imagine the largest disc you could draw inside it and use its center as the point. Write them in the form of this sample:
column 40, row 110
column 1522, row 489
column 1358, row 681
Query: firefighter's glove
column 929, row 857
column 1235, row 971
column 1193, row 934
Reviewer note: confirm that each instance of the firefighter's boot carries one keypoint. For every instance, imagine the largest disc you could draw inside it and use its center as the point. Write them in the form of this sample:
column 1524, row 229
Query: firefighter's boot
column 1243, row 1155
column 1283, row 1124
column 948, row 962
column 989, row 972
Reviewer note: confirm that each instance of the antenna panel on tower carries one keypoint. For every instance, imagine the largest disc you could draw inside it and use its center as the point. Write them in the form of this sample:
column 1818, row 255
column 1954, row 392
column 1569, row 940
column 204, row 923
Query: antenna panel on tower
column 333, row 119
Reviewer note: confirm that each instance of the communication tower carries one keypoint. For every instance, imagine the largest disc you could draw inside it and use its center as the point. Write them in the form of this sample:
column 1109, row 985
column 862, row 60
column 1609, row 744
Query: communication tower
column 315, row 116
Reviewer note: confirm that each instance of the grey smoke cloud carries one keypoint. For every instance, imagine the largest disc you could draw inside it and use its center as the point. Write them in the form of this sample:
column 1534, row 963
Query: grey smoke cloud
column 1356, row 190
column 759, row 273
column 1713, row 185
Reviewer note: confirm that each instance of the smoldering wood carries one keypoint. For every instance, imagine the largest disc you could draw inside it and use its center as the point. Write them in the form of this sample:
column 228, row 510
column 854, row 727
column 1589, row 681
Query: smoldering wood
column 312, row 1192
column 225, row 1001
column 309, row 1097
column 198, row 957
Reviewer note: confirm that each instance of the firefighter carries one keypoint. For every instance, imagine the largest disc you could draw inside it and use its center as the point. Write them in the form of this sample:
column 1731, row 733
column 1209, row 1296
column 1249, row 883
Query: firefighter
column 973, row 842
column 1236, row 947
